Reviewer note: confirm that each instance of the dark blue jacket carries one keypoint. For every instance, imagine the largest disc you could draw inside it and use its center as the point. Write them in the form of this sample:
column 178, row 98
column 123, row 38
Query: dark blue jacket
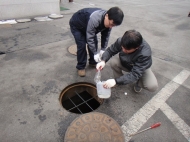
column 90, row 21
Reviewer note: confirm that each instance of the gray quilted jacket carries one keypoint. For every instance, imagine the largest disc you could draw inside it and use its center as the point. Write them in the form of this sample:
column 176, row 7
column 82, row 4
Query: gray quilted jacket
column 136, row 62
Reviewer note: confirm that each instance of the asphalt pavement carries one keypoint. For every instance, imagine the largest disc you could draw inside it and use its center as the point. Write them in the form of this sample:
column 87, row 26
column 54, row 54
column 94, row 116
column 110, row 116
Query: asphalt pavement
column 37, row 66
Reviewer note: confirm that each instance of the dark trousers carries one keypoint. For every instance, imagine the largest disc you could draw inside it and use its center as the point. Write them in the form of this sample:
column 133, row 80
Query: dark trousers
column 80, row 39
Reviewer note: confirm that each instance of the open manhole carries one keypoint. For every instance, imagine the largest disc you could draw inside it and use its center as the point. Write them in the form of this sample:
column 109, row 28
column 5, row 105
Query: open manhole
column 80, row 98
column 94, row 127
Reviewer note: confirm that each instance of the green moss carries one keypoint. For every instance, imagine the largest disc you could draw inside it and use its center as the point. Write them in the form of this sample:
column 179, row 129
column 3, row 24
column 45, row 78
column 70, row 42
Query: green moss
column 63, row 8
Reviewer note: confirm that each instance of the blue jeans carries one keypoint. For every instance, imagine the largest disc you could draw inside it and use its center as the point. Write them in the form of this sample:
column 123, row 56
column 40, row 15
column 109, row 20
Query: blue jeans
column 80, row 39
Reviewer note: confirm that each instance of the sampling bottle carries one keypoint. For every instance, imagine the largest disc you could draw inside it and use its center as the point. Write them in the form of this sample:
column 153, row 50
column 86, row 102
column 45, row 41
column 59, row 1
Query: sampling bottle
column 101, row 91
column 97, row 77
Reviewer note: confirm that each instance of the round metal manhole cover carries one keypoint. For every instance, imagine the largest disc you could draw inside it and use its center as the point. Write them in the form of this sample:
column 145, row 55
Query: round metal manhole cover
column 23, row 20
column 94, row 127
column 73, row 49
column 55, row 16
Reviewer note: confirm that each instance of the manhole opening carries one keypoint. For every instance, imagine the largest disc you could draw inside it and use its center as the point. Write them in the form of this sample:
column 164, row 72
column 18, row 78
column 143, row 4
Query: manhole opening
column 80, row 98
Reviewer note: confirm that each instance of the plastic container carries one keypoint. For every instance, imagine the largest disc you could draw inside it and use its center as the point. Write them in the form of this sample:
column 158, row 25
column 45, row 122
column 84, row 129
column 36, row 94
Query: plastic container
column 97, row 77
column 101, row 91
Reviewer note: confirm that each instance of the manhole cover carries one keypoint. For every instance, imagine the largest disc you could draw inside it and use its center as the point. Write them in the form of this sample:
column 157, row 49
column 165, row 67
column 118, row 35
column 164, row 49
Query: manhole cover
column 94, row 127
column 73, row 49
column 23, row 20
column 80, row 98
column 45, row 18
column 55, row 16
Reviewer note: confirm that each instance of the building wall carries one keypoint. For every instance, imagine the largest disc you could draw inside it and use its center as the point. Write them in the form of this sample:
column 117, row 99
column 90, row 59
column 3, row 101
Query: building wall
column 15, row 9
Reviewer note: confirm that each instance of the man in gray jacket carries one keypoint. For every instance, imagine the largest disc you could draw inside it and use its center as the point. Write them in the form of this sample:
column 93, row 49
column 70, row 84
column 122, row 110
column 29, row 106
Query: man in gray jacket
column 85, row 24
column 134, row 58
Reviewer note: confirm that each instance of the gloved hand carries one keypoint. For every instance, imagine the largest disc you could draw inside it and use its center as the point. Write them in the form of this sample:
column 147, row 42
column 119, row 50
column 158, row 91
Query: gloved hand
column 100, row 65
column 101, row 53
column 109, row 83
column 97, row 57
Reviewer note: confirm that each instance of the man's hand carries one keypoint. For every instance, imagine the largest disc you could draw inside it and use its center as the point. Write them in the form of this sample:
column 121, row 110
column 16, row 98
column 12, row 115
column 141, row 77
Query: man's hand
column 100, row 65
column 97, row 57
column 109, row 83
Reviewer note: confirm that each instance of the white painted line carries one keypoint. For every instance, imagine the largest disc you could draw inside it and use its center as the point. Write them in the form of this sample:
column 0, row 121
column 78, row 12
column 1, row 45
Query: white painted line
column 140, row 117
column 176, row 120
column 181, row 76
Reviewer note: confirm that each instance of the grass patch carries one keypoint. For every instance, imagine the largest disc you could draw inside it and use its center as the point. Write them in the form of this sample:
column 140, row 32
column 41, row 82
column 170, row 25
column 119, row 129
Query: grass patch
column 63, row 8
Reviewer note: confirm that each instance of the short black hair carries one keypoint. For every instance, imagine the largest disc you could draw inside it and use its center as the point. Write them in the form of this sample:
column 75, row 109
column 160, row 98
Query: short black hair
column 131, row 39
column 115, row 14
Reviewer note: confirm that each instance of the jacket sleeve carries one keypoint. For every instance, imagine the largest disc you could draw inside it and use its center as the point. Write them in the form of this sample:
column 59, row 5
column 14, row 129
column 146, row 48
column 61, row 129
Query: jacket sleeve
column 112, row 50
column 138, row 69
column 105, row 34
column 91, row 35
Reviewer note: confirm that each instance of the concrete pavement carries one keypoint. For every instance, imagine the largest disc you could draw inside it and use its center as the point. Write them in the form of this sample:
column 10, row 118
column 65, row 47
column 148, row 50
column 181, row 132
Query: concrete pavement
column 37, row 67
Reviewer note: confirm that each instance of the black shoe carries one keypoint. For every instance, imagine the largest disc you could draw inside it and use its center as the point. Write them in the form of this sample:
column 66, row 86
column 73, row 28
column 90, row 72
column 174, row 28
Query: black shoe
column 92, row 65
column 2, row 52
column 137, row 88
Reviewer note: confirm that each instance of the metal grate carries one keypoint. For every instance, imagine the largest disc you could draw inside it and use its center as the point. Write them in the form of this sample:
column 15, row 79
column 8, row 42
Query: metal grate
column 80, row 103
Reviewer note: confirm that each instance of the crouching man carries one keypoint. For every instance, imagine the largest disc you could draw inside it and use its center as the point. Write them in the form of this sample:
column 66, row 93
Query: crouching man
column 134, row 57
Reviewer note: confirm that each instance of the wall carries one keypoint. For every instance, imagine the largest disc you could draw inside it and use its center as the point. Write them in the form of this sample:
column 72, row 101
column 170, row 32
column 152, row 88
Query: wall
column 15, row 9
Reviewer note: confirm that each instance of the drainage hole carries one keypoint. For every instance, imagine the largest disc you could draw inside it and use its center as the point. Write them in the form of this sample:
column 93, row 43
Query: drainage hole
column 80, row 98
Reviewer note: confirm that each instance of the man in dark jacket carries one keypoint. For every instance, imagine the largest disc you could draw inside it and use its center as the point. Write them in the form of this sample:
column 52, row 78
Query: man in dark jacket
column 134, row 58
column 85, row 25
